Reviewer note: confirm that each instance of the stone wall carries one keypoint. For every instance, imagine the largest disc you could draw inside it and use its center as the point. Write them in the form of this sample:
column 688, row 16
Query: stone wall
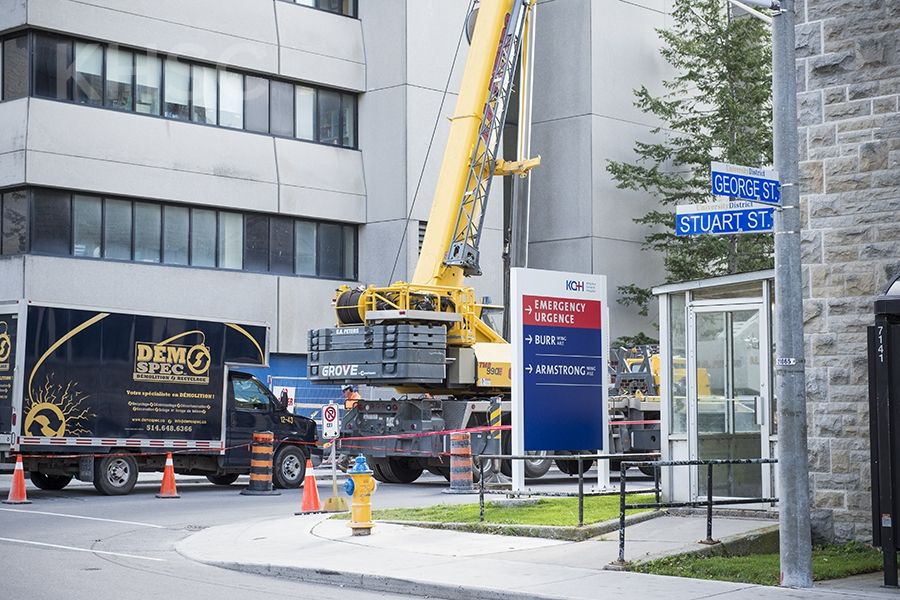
column 848, row 61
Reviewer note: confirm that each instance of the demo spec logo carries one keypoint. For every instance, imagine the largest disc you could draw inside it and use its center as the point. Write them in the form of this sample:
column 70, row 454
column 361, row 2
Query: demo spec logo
column 5, row 346
column 166, row 362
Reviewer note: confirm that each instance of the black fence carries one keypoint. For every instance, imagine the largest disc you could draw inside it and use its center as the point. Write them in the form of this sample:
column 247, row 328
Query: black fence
column 708, row 503
column 581, row 459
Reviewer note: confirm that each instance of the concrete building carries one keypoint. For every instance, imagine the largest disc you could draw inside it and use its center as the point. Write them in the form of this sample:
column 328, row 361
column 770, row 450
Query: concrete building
column 241, row 158
column 848, row 83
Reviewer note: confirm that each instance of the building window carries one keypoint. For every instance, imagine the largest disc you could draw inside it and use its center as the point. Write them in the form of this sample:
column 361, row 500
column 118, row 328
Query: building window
column 178, row 89
column 306, row 113
column 15, row 68
column 15, row 222
column 176, row 232
column 339, row 7
column 231, row 240
column 117, row 227
column 231, row 103
column 52, row 67
column 87, row 226
column 256, row 104
column 148, row 71
column 51, row 222
column 329, row 117
column 88, row 73
column 281, row 108
column 203, row 237
column 119, row 79
column 203, row 95
column 348, row 120
column 305, row 240
column 147, row 230
column 72, row 224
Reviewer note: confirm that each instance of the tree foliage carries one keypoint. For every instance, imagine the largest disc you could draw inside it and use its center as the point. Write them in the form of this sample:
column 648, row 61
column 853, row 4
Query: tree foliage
column 716, row 107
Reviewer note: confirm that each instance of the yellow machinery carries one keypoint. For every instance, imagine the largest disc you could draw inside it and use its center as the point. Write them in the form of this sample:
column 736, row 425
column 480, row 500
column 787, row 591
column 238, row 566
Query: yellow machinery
column 427, row 335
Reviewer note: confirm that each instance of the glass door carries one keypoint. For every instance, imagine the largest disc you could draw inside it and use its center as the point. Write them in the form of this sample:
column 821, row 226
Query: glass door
column 728, row 395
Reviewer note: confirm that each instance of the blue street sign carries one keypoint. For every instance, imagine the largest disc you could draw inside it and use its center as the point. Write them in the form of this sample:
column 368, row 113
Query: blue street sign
column 745, row 183
column 723, row 219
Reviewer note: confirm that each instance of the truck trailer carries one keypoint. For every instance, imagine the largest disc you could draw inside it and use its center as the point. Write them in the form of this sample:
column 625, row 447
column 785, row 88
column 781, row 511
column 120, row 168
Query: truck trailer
column 100, row 395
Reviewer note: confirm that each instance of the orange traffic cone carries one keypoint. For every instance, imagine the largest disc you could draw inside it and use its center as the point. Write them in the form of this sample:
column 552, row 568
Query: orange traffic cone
column 167, row 489
column 311, row 502
column 17, row 490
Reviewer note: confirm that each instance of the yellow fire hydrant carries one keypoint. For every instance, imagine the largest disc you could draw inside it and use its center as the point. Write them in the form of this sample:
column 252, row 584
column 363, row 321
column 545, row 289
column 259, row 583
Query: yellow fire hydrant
column 360, row 487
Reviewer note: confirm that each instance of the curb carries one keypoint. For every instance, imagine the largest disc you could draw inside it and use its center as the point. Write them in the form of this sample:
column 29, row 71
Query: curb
column 742, row 544
column 550, row 532
column 378, row 583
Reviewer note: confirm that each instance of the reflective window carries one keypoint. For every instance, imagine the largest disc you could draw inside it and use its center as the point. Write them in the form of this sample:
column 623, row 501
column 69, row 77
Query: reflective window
column 148, row 71
column 256, row 246
column 176, row 229
column 281, row 108
column 87, row 222
column 281, row 245
column 329, row 117
column 15, row 222
column 231, row 240
column 15, row 68
column 349, row 256
column 249, row 395
column 306, row 113
column 117, row 229
column 329, row 250
column 203, row 237
column 88, row 73
column 256, row 104
column 231, row 104
column 147, row 229
column 178, row 89
column 348, row 120
column 119, row 79
column 51, row 225
column 52, row 67
column 678, row 366
column 203, row 107
column 305, row 243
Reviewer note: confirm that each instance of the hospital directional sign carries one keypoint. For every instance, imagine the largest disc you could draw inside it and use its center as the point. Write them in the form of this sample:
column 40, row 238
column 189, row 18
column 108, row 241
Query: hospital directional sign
column 745, row 183
column 559, row 360
column 723, row 218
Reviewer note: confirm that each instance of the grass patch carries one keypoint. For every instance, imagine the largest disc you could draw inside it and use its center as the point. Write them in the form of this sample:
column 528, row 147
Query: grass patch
column 546, row 511
column 829, row 562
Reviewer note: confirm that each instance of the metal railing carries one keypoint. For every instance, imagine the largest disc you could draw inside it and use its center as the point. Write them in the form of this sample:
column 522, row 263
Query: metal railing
column 580, row 458
column 708, row 503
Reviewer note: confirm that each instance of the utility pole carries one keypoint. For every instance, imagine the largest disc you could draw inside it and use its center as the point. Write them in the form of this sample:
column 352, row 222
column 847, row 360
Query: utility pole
column 790, row 378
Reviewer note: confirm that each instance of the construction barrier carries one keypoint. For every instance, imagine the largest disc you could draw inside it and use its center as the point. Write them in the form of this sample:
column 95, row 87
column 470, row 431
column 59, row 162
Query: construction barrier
column 460, row 464
column 167, row 489
column 261, row 450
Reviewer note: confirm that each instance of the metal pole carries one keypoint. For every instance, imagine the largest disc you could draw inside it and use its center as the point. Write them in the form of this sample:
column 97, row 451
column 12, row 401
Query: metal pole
column 790, row 380
column 656, row 487
column 622, row 514
column 709, row 503
column 481, row 491
column 580, row 494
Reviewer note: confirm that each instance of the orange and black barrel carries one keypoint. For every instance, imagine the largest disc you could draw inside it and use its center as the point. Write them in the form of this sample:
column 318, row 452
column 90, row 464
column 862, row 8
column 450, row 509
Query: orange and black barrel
column 461, row 463
column 261, row 449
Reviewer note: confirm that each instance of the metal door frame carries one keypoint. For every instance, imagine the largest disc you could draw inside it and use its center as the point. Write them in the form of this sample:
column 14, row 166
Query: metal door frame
column 762, row 305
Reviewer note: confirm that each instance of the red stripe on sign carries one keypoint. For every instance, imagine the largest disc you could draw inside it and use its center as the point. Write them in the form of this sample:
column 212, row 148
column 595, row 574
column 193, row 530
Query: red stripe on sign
column 83, row 442
column 133, row 442
column 547, row 311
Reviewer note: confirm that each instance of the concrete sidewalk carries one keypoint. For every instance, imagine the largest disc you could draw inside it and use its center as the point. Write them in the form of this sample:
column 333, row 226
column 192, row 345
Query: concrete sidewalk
column 468, row 566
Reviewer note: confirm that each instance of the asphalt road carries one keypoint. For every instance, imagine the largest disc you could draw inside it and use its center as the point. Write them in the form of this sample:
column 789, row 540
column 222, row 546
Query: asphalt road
column 80, row 545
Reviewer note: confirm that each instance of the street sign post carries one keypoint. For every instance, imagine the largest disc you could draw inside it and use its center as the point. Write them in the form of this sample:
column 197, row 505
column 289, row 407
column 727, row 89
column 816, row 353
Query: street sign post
column 331, row 426
column 745, row 183
column 559, row 384
column 723, row 218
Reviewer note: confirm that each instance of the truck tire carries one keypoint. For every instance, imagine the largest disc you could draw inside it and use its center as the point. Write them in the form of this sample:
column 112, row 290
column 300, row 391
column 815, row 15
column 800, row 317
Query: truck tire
column 399, row 470
column 49, row 482
column 289, row 467
column 222, row 479
column 570, row 466
column 115, row 475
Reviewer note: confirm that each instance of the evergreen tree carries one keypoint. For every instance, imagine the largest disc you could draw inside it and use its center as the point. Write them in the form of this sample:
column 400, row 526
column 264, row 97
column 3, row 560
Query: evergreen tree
column 717, row 107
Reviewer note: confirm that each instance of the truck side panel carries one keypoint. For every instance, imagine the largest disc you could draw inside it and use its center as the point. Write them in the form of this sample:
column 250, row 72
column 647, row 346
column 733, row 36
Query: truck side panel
column 9, row 328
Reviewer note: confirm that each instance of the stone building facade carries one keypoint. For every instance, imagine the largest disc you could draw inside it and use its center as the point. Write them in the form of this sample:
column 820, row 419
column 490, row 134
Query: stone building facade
column 848, row 65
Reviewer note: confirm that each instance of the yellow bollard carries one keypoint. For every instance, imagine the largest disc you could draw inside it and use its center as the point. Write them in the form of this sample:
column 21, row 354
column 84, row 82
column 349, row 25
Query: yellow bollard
column 360, row 487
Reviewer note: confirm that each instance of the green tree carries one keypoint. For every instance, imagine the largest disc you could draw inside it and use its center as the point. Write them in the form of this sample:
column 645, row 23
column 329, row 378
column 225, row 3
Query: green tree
column 717, row 107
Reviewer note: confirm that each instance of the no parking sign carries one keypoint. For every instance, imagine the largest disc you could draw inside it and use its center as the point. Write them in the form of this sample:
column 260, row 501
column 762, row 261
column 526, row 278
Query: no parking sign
column 331, row 426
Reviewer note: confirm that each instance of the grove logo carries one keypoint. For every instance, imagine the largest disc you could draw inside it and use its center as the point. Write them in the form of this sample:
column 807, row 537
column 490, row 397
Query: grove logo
column 5, row 346
column 167, row 362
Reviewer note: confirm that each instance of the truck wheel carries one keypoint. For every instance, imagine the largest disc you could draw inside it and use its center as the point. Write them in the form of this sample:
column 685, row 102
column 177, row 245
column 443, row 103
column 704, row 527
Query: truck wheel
column 49, row 482
column 441, row 472
column 289, row 467
column 115, row 475
column 539, row 465
column 399, row 470
column 222, row 479
column 570, row 466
